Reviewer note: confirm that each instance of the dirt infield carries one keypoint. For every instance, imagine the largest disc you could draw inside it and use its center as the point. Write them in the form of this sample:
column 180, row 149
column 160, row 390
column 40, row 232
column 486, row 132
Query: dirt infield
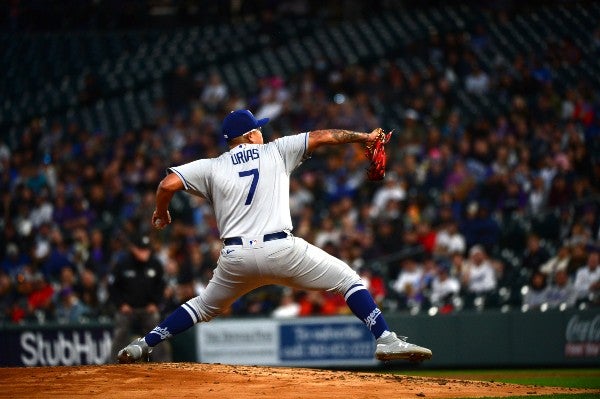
column 191, row 380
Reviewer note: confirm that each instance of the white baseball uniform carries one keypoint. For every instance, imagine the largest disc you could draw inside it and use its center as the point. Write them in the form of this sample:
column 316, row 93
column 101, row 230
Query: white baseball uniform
column 248, row 188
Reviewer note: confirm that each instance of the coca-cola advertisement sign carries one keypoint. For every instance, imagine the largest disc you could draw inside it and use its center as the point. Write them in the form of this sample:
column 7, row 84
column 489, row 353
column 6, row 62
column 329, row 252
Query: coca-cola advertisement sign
column 582, row 337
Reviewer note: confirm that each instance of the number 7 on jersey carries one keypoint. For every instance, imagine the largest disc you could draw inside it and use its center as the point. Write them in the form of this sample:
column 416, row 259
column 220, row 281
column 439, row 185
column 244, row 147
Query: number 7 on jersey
column 254, row 174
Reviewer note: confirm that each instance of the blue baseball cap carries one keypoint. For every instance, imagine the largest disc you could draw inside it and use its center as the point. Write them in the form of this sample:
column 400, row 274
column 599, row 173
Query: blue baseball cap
column 239, row 122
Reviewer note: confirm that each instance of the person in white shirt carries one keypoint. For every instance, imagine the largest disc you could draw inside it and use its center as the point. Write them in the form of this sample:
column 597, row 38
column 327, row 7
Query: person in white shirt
column 392, row 190
column 288, row 307
column 587, row 278
column 449, row 240
column 443, row 286
column 558, row 262
column 478, row 81
column 408, row 282
column 479, row 276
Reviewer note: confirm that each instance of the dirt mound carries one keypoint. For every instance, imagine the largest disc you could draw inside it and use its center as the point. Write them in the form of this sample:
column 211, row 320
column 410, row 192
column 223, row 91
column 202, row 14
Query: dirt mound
column 191, row 380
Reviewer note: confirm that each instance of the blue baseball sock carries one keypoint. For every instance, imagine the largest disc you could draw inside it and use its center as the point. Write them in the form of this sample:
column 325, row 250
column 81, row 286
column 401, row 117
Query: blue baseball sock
column 361, row 303
column 176, row 322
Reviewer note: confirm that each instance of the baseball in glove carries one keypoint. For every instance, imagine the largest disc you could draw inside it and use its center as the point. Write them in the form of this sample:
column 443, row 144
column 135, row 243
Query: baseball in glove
column 375, row 153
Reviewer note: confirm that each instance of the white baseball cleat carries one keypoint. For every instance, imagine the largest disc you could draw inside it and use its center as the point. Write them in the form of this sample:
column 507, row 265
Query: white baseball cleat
column 393, row 347
column 137, row 351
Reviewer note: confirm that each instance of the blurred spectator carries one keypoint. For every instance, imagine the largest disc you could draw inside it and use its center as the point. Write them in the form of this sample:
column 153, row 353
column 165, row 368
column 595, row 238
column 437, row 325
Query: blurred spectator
column 67, row 279
column 560, row 191
column 328, row 233
column 536, row 292
column 444, row 288
column 69, row 308
column 478, row 275
column 316, row 303
column 273, row 98
column 560, row 261
column 513, row 200
column 436, row 175
column 14, row 260
column 36, row 294
column 459, row 182
column 477, row 81
column 449, row 240
column 479, row 227
column 98, row 260
column 56, row 257
column 407, row 285
column 351, row 252
column 412, row 135
column 91, row 294
column 300, row 197
column 535, row 255
column 561, row 292
column 426, row 236
column 391, row 190
column 537, row 196
column 287, row 307
column 215, row 93
column 180, row 286
column 458, row 264
column 430, row 269
column 587, row 277
column 579, row 255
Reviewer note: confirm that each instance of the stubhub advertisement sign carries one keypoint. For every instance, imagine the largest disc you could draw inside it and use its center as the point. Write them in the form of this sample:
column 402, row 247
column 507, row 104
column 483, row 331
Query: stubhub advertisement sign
column 326, row 341
column 55, row 346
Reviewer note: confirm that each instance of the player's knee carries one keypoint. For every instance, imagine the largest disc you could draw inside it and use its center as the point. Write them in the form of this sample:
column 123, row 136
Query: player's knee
column 348, row 282
column 202, row 311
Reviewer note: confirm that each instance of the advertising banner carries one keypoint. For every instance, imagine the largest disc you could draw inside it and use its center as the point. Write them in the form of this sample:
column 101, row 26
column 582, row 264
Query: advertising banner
column 330, row 341
column 583, row 336
column 250, row 342
column 67, row 346
column 327, row 342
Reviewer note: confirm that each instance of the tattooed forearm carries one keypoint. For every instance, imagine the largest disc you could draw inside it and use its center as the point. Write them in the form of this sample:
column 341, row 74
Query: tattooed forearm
column 321, row 137
column 346, row 136
column 339, row 135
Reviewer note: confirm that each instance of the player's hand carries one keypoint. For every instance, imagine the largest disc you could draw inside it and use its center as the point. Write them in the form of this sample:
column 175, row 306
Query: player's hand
column 160, row 219
column 375, row 153
column 374, row 136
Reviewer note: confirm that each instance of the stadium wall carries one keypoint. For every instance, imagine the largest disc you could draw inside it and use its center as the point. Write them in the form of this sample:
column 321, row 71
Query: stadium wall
column 487, row 339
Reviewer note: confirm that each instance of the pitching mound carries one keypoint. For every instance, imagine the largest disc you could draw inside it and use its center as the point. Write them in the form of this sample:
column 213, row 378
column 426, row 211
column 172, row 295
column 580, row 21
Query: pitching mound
column 191, row 380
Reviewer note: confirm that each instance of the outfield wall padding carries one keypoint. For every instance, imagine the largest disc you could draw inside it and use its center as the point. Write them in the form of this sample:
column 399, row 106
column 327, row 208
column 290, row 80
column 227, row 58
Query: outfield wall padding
column 466, row 339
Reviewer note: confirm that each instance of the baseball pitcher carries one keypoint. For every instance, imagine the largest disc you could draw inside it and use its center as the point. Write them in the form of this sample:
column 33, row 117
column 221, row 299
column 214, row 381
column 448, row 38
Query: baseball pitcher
column 248, row 187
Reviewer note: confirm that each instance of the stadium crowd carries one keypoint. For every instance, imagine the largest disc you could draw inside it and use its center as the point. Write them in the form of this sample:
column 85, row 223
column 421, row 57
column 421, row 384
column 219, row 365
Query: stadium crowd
column 470, row 210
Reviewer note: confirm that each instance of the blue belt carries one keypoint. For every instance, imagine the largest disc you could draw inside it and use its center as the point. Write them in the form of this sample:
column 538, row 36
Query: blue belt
column 267, row 237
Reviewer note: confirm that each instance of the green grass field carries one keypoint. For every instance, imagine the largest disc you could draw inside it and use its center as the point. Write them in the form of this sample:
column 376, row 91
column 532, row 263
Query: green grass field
column 587, row 378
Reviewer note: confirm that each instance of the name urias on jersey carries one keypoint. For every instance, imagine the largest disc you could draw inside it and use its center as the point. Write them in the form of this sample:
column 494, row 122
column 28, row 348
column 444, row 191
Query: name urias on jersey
column 244, row 156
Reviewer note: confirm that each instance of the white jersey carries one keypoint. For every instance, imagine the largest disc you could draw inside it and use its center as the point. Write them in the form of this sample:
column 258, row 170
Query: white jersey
column 248, row 186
